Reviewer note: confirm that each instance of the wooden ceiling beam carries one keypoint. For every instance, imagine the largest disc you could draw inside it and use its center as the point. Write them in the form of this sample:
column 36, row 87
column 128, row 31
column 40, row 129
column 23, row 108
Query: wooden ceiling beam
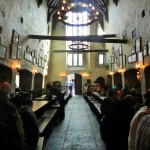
column 80, row 51
column 51, row 2
column 103, row 2
column 92, row 38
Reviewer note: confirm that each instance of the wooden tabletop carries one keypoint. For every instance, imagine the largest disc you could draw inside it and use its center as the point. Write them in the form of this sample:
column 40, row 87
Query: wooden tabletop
column 96, row 93
column 43, row 97
column 38, row 104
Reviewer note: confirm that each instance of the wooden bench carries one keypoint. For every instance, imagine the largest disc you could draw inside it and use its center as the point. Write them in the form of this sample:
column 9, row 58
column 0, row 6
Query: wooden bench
column 40, row 98
column 94, row 105
column 97, row 110
column 40, row 143
column 57, row 106
column 46, row 121
column 39, row 107
column 46, row 112
column 46, row 116
column 67, row 96
column 98, row 97
column 89, row 99
column 97, row 106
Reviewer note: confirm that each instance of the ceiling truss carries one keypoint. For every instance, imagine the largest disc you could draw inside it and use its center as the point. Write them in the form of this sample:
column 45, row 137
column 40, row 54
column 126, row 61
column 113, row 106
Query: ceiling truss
column 101, row 5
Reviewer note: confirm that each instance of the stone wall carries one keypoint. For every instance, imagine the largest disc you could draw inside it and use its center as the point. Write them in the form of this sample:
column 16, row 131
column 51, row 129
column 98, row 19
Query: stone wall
column 126, row 17
column 58, row 61
column 25, row 17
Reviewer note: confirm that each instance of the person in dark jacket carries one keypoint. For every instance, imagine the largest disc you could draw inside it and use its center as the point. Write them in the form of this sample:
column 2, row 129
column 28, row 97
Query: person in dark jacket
column 30, row 123
column 11, row 128
column 116, row 124
column 143, row 134
column 108, row 101
column 60, row 98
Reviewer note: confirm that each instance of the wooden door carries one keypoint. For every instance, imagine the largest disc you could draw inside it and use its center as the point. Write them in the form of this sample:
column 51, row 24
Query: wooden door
column 78, row 84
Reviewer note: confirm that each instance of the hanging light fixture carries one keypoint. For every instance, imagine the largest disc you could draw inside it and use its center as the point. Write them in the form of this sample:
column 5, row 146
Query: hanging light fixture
column 78, row 45
column 77, row 7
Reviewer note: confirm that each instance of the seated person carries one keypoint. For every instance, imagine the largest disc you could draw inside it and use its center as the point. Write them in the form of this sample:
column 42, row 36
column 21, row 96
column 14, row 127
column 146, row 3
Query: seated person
column 108, row 101
column 5, row 86
column 145, row 110
column 125, row 90
column 60, row 98
column 88, row 90
column 115, row 125
column 48, row 93
column 98, row 88
column 30, row 123
column 131, row 100
column 143, row 134
column 11, row 127
column 136, row 92
column 3, row 96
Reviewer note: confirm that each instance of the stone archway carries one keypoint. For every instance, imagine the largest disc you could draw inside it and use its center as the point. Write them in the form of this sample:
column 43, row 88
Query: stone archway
column 57, row 85
column 147, row 77
column 38, row 81
column 130, row 77
column 101, row 81
column 118, row 79
column 109, row 81
column 6, row 71
column 25, row 80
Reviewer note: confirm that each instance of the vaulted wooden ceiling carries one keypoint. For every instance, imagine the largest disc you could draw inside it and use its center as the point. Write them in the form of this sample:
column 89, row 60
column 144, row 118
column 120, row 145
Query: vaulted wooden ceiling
column 101, row 5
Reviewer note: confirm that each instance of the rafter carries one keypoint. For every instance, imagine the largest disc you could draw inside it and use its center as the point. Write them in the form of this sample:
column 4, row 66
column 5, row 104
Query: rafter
column 103, row 2
column 101, row 5
column 50, row 2
column 53, row 2
column 99, row 39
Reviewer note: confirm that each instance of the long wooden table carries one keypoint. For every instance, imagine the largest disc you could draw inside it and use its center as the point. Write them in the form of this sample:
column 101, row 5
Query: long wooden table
column 43, row 97
column 98, row 95
column 36, row 105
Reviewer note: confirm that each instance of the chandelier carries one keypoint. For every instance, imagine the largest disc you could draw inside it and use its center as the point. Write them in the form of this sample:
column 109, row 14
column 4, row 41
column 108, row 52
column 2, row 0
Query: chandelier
column 77, row 8
column 78, row 45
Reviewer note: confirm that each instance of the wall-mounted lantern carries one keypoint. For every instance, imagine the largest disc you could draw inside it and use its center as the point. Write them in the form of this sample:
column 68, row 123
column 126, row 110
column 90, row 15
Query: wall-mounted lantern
column 18, row 68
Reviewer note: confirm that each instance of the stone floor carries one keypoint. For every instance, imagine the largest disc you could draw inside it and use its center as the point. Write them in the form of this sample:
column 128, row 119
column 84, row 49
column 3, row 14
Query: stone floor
column 78, row 131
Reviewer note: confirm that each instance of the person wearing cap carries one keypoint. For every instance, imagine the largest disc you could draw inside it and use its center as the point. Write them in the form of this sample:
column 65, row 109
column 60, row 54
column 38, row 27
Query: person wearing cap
column 145, row 110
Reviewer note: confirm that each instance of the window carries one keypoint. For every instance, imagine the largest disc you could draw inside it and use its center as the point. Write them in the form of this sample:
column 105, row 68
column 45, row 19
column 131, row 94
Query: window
column 69, row 60
column 101, row 59
column 76, row 59
column 80, row 59
column 99, row 30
